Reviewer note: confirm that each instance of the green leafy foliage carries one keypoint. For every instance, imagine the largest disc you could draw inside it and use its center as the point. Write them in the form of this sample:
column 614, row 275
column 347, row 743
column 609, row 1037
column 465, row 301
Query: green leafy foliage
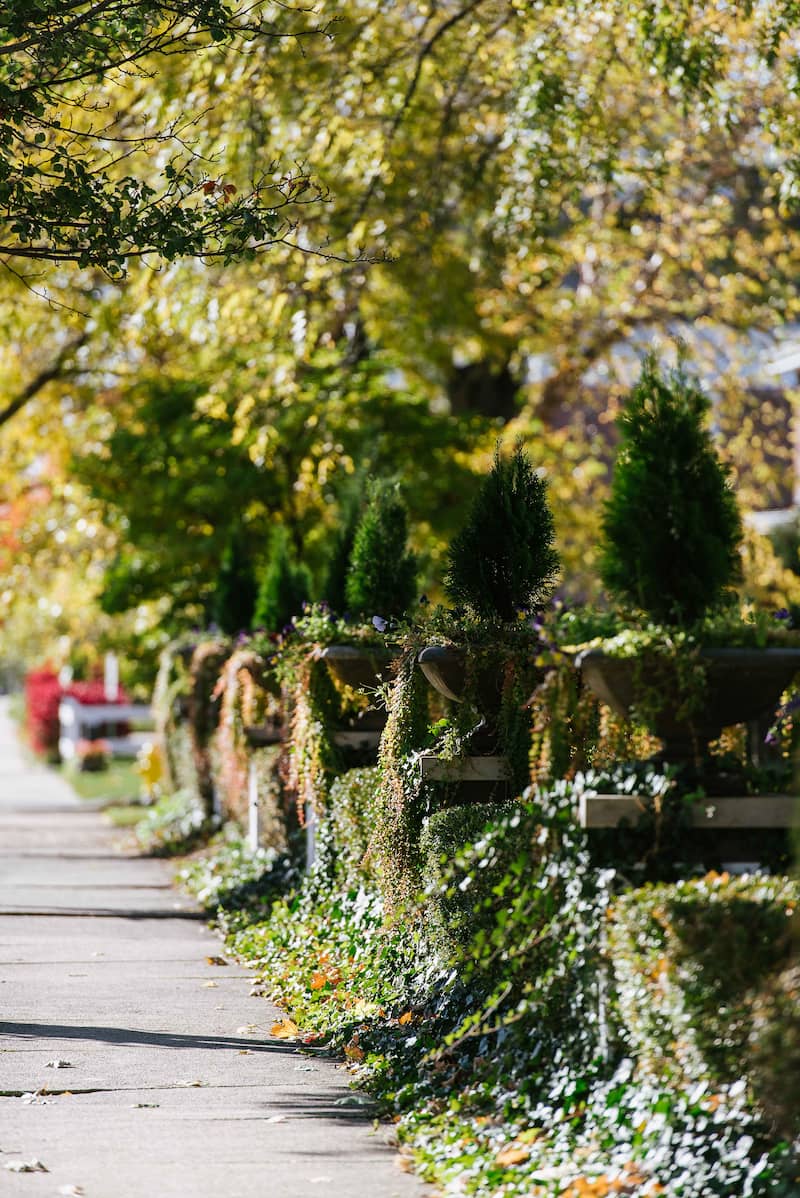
column 382, row 576
column 284, row 587
column 671, row 527
column 234, row 878
column 64, row 196
column 196, row 491
column 503, row 561
column 175, row 824
column 508, row 1042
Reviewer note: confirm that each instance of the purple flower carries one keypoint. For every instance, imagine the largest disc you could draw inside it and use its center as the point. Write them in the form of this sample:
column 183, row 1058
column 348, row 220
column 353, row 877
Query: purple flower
column 771, row 738
column 783, row 614
column 379, row 623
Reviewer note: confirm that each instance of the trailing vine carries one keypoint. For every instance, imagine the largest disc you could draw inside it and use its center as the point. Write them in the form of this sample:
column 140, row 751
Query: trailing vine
column 248, row 698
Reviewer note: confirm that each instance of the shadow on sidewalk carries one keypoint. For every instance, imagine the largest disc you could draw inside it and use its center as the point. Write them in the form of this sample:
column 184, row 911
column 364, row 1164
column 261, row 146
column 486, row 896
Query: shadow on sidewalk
column 130, row 1036
column 103, row 912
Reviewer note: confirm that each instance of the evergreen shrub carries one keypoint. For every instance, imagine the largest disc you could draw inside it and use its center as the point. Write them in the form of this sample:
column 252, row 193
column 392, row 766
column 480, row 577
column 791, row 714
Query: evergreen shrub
column 382, row 576
column 503, row 560
column 284, row 586
column 671, row 525
column 234, row 597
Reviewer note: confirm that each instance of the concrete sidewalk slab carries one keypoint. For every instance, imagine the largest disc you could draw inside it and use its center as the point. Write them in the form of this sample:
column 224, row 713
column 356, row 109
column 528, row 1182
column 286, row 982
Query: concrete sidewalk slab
column 174, row 1086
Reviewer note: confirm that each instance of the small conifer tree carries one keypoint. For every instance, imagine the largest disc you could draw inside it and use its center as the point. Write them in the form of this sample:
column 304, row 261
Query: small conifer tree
column 382, row 576
column 233, row 600
column 284, row 587
column 671, row 526
column 503, row 560
column 334, row 588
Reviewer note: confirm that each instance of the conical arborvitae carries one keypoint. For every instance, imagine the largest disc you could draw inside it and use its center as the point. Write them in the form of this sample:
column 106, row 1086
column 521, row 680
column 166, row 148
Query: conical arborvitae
column 334, row 587
column 671, row 526
column 382, row 576
column 234, row 597
column 503, row 560
column 285, row 586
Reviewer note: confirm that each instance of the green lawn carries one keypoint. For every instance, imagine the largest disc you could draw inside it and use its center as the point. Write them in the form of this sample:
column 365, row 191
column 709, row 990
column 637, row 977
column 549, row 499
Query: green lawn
column 119, row 783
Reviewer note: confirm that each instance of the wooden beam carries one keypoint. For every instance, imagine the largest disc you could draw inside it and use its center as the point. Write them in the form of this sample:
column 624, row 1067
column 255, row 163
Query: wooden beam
column 465, row 769
column 734, row 811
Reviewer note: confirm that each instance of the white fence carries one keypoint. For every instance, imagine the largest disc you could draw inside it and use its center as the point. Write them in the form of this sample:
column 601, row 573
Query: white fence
column 83, row 721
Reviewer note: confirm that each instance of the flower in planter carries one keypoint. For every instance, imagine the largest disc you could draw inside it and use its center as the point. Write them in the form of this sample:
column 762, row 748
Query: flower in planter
column 92, row 756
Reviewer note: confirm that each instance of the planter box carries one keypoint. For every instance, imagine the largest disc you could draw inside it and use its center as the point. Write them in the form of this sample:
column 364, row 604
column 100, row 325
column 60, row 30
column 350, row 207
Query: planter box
column 741, row 684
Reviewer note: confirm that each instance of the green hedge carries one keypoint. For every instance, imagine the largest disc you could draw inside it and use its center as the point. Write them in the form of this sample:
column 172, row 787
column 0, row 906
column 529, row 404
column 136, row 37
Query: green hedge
column 692, row 965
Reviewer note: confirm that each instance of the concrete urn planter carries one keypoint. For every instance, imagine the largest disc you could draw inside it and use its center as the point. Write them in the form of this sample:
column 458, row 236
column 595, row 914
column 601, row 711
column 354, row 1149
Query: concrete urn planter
column 740, row 686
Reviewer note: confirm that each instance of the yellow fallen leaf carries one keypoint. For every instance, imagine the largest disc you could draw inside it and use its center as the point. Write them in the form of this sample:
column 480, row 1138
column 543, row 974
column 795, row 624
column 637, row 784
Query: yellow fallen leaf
column 406, row 1018
column 285, row 1029
column 353, row 1051
column 209, row 985
column 216, row 961
column 318, row 980
column 513, row 1154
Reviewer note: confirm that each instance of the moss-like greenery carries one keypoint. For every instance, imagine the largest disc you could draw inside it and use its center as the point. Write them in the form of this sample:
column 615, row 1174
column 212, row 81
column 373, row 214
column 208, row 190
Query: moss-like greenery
column 672, row 527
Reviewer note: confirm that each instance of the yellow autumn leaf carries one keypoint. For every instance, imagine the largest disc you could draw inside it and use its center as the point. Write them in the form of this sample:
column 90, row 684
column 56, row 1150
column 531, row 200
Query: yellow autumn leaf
column 285, row 1029
column 318, row 980
column 353, row 1051
column 406, row 1018
column 513, row 1154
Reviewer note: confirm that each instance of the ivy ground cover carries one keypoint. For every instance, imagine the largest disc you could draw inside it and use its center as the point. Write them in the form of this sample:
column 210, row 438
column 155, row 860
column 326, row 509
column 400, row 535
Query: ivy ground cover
column 535, row 1026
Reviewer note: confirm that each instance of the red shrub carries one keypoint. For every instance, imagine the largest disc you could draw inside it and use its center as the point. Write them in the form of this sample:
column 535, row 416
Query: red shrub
column 42, row 696
column 43, row 693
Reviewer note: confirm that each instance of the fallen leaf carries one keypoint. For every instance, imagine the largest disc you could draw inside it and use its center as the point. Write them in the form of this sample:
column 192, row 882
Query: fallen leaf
column 144, row 1106
column 312, row 1037
column 245, row 1052
column 318, row 980
column 58, row 1064
column 209, row 985
column 31, row 1166
column 216, row 961
column 406, row 1018
column 353, row 1051
column 513, row 1154
column 405, row 1163
column 187, row 1085
column 285, row 1029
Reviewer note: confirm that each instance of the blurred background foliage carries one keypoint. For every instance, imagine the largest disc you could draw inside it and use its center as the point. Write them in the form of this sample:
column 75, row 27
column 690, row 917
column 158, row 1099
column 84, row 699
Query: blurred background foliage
column 516, row 200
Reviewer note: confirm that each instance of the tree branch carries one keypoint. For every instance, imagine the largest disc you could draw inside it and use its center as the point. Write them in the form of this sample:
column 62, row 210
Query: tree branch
column 56, row 370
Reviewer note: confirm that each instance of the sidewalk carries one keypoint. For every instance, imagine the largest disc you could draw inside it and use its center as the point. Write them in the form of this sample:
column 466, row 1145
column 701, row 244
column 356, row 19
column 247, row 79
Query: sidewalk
column 169, row 1085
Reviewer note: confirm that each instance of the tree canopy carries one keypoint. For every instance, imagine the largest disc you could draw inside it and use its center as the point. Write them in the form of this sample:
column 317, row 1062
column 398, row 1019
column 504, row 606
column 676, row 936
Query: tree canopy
column 86, row 175
column 510, row 190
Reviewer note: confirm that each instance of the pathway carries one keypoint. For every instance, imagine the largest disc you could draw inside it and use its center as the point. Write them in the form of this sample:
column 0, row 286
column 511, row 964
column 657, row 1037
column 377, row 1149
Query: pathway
column 130, row 1065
